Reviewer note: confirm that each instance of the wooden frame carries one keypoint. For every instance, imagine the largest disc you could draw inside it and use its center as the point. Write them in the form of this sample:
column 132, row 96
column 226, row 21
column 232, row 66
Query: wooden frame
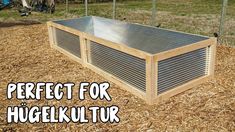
column 150, row 96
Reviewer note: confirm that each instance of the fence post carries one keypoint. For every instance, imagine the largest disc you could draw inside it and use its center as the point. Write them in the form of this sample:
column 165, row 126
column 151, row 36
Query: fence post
column 153, row 12
column 114, row 9
column 222, row 19
column 86, row 7
column 67, row 6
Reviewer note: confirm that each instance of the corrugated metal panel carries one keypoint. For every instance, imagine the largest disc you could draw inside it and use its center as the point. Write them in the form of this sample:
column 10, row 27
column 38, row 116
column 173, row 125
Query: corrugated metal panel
column 180, row 69
column 145, row 38
column 124, row 66
column 68, row 41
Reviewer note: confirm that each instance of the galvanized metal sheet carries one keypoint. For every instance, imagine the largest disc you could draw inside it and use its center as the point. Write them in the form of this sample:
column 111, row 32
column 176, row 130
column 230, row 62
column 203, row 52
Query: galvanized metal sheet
column 180, row 69
column 68, row 41
column 123, row 66
column 84, row 24
column 145, row 38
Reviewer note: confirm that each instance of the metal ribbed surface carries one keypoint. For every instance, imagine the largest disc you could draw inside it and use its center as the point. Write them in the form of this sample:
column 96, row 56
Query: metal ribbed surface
column 124, row 66
column 145, row 38
column 181, row 69
column 68, row 41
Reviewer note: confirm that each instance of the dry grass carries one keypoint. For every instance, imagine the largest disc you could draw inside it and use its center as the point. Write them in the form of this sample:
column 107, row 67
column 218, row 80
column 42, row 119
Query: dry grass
column 26, row 56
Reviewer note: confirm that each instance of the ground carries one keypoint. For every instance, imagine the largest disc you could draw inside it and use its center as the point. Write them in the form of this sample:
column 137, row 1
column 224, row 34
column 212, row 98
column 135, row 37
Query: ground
column 25, row 56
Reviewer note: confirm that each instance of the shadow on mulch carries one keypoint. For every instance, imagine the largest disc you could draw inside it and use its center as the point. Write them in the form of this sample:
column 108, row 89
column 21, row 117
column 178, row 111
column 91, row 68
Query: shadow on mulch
column 18, row 23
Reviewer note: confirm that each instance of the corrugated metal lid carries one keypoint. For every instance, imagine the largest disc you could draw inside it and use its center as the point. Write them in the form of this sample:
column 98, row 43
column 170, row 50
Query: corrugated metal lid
column 145, row 38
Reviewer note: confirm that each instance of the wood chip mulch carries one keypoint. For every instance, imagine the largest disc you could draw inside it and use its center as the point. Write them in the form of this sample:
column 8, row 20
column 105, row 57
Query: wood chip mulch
column 25, row 56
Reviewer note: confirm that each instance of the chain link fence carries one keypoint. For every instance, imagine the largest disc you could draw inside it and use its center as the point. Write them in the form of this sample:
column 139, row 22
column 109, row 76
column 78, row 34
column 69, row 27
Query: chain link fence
column 227, row 28
column 202, row 17
column 193, row 16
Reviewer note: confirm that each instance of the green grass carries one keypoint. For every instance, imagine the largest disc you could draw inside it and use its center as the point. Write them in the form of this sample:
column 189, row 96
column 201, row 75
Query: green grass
column 194, row 16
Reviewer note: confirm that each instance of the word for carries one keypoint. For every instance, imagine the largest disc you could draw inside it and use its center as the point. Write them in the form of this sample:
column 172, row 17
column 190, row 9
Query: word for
column 50, row 114
column 57, row 91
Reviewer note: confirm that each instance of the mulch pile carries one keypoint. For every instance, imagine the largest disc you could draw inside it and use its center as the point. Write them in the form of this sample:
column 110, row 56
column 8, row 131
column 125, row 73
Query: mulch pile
column 25, row 56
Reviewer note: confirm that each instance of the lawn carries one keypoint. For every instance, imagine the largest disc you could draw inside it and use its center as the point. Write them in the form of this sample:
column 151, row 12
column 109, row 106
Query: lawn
column 193, row 16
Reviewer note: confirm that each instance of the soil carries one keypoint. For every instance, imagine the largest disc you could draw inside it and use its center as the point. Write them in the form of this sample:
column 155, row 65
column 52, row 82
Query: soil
column 25, row 56
column 16, row 23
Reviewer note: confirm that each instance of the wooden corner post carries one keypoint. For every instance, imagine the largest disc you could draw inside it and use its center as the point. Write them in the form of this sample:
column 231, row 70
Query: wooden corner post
column 212, row 57
column 83, row 49
column 150, row 80
column 51, row 33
